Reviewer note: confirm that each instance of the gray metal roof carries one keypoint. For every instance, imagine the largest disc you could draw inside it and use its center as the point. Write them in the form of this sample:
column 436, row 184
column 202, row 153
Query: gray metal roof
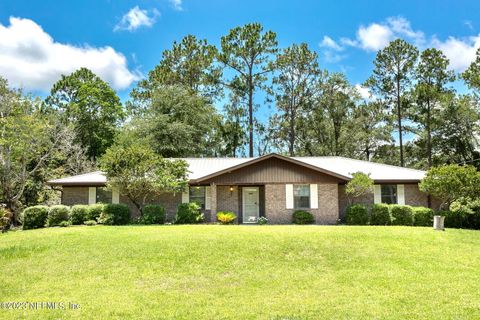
column 202, row 167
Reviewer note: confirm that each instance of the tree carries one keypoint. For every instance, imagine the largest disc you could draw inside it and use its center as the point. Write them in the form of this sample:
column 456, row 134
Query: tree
column 471, row 76
column 91, row 106
column 295, row 84
column 392, row 75
column 432, row 76
column 247, row 51
column 140, row 174
column 232, row 128
column 177, row 123
column 27, row 142
column 190, row 64
column 360, row 184
column 451, row 182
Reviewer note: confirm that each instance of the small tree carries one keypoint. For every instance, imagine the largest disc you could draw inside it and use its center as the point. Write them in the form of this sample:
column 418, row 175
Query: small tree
column 140, row 174
column 451, row 182
column 360, row 184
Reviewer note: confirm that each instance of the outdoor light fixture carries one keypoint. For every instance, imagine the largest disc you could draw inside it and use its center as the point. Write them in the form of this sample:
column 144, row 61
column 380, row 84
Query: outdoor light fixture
column 231, row 189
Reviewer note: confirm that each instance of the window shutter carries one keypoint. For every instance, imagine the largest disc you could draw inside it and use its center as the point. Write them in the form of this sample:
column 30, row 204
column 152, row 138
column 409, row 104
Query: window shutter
column 115, row 195
column 208, row 197
column 92, row 195
column 186, row 196
column 289, row 196
column 314, row 196
column 401, row 194
column 377, row 194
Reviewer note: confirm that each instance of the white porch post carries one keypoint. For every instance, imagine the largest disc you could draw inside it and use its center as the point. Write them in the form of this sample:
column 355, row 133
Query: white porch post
column 213, row 202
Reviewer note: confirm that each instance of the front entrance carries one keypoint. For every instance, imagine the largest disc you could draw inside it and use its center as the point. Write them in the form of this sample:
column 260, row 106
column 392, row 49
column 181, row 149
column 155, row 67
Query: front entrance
column 251, row 204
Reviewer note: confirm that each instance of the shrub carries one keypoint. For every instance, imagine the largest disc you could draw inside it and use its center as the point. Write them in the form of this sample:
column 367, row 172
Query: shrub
column 226, row 217
column 401, row 215
column 422, row 216
column 90, row 223
column 380, row 215
column 357, row 214
column 115, row 214
column 469, row 210
column 65, row 224
column 34, row 217
column 57, row 214
column 302, row 217
column 5, row 219
column 262, row 220
column 79, row 214
column 188, row 213
column 152, row 214
column 453, row 219
column 94, row 211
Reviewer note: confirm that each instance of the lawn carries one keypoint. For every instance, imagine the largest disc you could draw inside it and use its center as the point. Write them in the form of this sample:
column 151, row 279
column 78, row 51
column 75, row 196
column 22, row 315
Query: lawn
column 243, row 272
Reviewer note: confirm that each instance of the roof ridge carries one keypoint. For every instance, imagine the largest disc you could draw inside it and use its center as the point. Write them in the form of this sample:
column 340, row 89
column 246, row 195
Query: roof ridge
column 382, row 164
column 81, row 175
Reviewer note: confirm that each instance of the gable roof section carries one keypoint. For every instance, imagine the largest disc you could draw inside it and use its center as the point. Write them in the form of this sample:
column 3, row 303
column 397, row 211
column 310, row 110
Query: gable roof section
column 202, row 169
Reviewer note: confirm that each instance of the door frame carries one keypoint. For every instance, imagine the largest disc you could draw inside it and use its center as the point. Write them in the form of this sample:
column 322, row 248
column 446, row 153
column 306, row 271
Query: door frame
column 243, row 203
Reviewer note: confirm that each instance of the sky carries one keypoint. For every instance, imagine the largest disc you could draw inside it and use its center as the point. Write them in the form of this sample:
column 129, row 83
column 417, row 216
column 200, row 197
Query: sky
column 122, row 40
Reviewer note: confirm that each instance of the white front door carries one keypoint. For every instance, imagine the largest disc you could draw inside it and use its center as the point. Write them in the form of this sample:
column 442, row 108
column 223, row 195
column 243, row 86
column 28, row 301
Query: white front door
column 251, row 206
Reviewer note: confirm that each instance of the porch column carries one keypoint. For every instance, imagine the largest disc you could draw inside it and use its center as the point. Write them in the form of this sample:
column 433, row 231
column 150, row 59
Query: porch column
column 213, row 202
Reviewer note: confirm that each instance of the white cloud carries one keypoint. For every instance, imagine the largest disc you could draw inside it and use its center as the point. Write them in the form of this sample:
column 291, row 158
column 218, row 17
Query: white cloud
column 374, row 37
column 30, row 58
column 460, row 52
column 136, row 18
column 329, row 43
column 177, row 5
column 363, row 92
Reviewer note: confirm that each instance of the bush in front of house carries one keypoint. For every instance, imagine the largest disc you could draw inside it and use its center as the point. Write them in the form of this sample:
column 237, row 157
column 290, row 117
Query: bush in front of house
column 152, row 214
column 380, row 215
column 115, row 214
column 34, row 217
column 188, row 213
column 79, row 214
column 94, row 211
column 422, row 217
column 357, row 214
column 302, row 217
column 468, row 211
column 262, row 221
column 65, row 224
column 453, row 219
column 57, row 214
column 401, row 215
column 226, row 217
column 90, row 223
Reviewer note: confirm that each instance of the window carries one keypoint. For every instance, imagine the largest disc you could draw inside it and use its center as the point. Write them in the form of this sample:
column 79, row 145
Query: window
column 197, row 195
column 389, row 193
column 104, row 195
column 301, row 196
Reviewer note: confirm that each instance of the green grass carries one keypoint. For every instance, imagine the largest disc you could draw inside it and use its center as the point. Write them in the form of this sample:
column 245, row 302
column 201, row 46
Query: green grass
column 243, row 272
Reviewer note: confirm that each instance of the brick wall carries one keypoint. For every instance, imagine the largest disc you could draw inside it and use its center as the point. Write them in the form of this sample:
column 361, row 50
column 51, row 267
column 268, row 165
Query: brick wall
column 343, row 200
column 74, row 195
column 169, row 201
column 276, row 213
column 228, row 200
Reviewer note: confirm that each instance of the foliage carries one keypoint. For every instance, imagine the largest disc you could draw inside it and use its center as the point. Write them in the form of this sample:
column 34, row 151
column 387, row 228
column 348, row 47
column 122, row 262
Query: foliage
column 380, row 215
column 402, row 215
column 65, row 224
column 472, row 74
column 115, row 214
column 469, row 210
column 360, row 184
column 357, row 214
column 226, row 217
column 57, row 214
column 90, row 223
column 79, row 214
column 5, row 219
column 188, row 213
column 94, row 211
column 152, row 214
column 302, row 217
column 141, row 174
column 453, row 219
column 451, row 182
column 423, row 217
column 34, row 217
column 262, row 220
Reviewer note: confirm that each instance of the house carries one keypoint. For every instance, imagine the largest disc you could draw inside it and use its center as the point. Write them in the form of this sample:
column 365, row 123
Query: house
column 273, row 186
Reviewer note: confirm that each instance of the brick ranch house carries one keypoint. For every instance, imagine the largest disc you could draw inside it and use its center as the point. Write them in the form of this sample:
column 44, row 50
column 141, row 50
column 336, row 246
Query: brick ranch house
column 272, row 186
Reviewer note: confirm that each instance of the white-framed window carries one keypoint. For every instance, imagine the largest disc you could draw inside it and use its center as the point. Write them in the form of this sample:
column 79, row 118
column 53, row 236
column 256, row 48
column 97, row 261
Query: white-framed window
column 389, row 193
column 301, row 196
column 103, row 195
column 197, row 194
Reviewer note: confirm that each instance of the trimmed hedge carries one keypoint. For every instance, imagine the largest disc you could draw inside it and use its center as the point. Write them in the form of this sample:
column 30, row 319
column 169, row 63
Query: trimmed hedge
column 94, row 211
column 357, row 214
column 79, row 214
column 188, row 213
column 457, row 219
column 402, row 215
column 34, row 217
column 423, row 217
column 302, row 217
column 115, row 214
column 152, row 214
column 57, row 214
column 380, row 215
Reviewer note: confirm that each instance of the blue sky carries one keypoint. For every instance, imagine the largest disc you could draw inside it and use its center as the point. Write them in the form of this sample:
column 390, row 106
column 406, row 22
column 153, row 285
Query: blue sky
column 41, row 39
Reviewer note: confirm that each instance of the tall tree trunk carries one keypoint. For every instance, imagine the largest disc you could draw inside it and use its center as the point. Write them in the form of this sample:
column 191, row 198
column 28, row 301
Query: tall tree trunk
column 291, row 146
column 250, row 113
column 399, row 116
column 429, row 135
